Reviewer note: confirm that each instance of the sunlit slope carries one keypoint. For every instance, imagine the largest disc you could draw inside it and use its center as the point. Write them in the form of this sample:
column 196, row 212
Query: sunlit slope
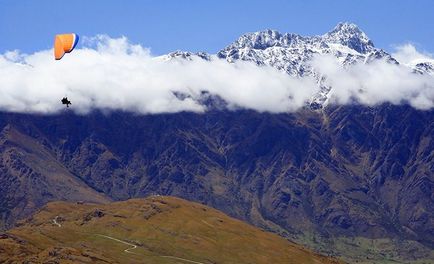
column 158, row 229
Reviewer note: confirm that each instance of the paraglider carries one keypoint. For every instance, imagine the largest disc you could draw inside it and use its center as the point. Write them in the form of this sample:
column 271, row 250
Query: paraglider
column 65, row 101
column 64, row 43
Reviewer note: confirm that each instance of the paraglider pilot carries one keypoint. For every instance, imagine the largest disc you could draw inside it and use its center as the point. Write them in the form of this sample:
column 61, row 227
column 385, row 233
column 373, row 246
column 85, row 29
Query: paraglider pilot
column 66, row 101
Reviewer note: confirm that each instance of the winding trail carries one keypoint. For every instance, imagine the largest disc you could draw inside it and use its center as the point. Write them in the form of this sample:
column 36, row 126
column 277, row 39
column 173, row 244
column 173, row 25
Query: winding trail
column 208, row 224
column 55, row 221
column 134, row 247
column 121, row 241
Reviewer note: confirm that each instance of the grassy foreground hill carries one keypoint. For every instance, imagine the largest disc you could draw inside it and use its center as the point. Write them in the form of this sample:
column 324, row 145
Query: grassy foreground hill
column 158, row 229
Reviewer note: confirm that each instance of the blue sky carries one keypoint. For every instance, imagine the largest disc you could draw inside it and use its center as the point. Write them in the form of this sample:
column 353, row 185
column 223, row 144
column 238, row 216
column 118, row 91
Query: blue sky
column 165, row 25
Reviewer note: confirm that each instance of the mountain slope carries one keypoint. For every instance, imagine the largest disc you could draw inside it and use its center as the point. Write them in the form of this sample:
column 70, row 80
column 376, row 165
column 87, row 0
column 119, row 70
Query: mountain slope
column 153, row 230
column 320, row 177
column 31, row 176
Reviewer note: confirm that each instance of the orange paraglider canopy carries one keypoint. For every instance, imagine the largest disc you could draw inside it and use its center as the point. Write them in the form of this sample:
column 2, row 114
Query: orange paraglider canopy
column 64, row 43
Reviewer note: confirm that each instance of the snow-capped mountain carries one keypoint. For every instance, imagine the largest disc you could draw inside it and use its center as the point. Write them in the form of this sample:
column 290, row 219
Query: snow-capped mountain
column 185, row 55
column 292, row 53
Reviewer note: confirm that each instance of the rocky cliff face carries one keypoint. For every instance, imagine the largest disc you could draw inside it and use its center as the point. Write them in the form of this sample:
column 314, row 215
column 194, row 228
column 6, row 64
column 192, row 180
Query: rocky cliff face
column 31, row 176
column 343, row 172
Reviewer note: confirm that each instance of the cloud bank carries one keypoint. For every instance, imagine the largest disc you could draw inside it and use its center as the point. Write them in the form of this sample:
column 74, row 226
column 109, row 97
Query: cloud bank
column 407, row 54
column 375, row 83
column 112, row 74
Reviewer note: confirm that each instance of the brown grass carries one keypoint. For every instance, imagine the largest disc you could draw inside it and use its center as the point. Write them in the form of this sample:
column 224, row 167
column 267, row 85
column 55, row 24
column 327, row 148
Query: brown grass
column 159, row 226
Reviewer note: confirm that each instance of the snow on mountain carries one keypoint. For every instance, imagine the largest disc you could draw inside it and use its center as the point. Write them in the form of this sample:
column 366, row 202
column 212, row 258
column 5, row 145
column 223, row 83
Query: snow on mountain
column 185, row 55
column 349, row 36
column 425, row 67
column 292, row 53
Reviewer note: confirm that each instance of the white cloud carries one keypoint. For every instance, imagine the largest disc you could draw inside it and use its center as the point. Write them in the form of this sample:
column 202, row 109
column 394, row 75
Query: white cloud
column 407, row 54
column 375, row 83
column 112, row 74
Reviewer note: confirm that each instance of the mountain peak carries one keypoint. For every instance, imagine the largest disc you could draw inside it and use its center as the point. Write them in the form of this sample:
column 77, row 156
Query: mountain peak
column 259, row 40
column 346, row 27
column 350, row 35
column 346, row 34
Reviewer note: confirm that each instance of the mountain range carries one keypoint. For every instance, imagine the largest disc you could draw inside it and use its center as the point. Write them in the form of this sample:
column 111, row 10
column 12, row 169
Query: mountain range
column 292, row 53
column 353, row 181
